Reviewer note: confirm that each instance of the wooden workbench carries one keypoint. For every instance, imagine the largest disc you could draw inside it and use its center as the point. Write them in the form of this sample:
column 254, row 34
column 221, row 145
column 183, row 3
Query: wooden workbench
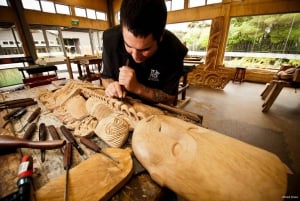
column 140, row 187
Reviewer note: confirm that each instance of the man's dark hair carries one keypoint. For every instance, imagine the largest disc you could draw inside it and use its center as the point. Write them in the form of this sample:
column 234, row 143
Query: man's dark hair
column 144, row 17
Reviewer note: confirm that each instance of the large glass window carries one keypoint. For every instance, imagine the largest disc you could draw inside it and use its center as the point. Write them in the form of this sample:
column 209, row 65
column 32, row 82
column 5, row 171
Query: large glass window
column 265, row 41
column 194, row 35
column 48, row 44
column 10, row 43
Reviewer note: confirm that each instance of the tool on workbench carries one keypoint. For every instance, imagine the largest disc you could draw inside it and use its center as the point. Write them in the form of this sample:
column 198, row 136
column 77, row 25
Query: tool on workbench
column 73, row 141
column 16, row 116
column 12, row 113
column 25, row 186
column 8, row 141
column 67, row 166
column 93, row 146
column 42, row 137
column 30, row 131
column 54, row 134
column 16, row 101
column 24, row 183
column 32, row 117
column 16, row 104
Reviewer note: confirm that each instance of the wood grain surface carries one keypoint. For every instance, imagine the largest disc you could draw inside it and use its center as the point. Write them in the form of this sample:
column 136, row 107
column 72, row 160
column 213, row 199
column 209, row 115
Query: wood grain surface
column 202, row 164
column 97, row 178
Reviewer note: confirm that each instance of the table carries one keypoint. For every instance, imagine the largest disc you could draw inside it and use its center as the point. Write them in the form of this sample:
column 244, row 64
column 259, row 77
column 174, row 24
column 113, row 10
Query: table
column 140, row 187
column 36, row 76
column 83, row 67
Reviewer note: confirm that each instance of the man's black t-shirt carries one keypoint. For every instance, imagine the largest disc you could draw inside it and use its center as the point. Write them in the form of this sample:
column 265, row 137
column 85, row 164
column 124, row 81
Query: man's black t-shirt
column 161, row 71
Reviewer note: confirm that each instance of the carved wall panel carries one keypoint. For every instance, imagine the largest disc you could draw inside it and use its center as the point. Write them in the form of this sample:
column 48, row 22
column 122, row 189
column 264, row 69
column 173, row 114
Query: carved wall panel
column 212, row 74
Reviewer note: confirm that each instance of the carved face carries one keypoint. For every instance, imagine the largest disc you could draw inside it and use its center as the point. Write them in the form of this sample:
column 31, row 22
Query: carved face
column 173, row 144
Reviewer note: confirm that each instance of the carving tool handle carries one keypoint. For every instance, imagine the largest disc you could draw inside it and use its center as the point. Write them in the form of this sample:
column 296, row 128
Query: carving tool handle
column 42, row 137
column 23, row 104
column 30, row 131
column 16, row 101
column 67, row 166
column 53, row 132
column 68, row 156
column 35, row 113
column 93, row 146
column 90, row 144
column 72, row 140
column 8, row 141
column 12, row 113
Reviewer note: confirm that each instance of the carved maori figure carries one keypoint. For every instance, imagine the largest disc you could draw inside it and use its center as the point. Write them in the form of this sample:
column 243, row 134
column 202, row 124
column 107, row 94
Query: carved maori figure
column 201, row 164
column 82, row 105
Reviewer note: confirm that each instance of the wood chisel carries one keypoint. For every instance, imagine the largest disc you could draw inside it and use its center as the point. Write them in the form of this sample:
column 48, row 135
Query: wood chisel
column 16, row 105
column 32, row 117
column 30, row 131
column 67, row 166
column 93, row 146
column 42, row 137
column 12, row 113
column 17, row 115
column 54, row 134
column 72, row 140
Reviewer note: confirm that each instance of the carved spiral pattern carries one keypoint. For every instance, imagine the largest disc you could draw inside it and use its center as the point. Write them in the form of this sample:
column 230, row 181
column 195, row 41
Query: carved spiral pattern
column 113, row 130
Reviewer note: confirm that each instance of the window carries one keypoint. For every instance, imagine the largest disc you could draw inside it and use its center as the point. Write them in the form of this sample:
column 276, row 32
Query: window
column 175, row 5
column 264, row 41
column 3, row 3
column 100, row 15
column 213, row 1
column 62, row 9
column 91, row 13
column 195, row 35
column 196, row 3
column 31, row 4
column 48, row 6
column 80, row 12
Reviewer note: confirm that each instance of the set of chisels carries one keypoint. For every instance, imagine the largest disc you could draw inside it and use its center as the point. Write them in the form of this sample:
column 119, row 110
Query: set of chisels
column 17, row 110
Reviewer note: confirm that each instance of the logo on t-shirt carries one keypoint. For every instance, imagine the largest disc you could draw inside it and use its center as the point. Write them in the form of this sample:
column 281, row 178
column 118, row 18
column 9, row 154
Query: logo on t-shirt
column 153, row 75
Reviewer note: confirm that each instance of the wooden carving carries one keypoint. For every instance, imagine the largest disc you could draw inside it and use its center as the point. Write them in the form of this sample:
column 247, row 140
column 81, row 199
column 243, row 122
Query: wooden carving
column 211, row 74
column 201, row 164
column 97, row 178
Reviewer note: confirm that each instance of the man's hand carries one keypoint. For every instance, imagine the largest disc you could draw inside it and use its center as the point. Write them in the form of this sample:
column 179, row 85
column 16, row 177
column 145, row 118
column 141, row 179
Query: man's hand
column 127, row 78
column 115, row 90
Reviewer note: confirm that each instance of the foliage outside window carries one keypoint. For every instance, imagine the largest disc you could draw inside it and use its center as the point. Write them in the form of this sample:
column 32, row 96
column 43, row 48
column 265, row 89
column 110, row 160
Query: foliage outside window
column 194, row 35
column 265, row 41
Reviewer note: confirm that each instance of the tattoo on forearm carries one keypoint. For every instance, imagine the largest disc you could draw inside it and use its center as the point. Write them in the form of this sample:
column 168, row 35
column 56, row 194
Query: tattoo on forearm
column 160, row 96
